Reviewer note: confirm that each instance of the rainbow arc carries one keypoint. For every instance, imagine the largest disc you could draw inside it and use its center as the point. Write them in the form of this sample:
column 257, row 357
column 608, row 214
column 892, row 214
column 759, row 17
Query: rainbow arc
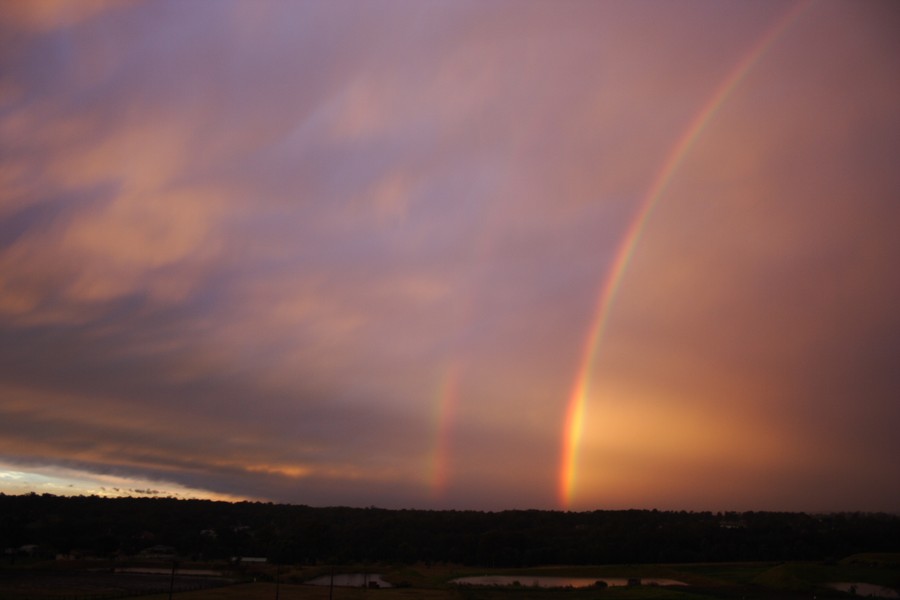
column 576, row 407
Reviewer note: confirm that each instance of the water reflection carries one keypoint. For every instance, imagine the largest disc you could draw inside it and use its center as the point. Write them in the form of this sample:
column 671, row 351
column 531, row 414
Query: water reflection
column 554, row 582
column 865, row 589
column 168, row 570
column 351, row 580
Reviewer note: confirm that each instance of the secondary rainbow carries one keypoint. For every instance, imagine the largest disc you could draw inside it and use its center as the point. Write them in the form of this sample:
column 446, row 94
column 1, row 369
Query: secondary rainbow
column 446, row 400
column 575, row 411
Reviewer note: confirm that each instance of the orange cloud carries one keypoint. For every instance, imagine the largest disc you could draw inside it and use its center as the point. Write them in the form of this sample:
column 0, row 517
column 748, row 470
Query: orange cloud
column 47, row 15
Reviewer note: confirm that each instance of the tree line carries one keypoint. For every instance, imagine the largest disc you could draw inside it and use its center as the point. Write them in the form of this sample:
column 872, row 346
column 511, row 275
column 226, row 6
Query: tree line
column 92, row 526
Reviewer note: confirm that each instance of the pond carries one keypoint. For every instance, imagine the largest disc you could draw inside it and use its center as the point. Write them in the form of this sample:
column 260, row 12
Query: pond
column 351, row 580
column 556, row 582
column 858, row 588
column 168, row 570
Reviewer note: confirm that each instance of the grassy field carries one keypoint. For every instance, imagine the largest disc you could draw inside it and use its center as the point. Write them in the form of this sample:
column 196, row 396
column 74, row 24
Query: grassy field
column 709, row 581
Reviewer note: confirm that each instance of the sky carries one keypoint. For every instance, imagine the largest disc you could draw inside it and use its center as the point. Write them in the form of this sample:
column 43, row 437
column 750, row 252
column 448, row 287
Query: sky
column 571, row 255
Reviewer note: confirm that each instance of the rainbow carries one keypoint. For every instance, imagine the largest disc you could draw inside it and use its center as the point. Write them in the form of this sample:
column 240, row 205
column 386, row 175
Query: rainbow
column 446, row 400
column 575, row 411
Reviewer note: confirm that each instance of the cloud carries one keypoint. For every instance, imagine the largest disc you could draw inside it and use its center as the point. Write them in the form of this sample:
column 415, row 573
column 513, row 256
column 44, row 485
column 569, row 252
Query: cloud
column 241, row 257
column 50, row 15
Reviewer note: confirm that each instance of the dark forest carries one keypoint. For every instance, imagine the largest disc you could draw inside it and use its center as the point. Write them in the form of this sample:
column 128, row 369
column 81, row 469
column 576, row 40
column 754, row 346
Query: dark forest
column 96, row 527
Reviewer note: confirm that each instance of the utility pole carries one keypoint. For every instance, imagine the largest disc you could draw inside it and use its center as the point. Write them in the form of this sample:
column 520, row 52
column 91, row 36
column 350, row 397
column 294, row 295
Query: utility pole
column 277, row 579
column 172, row 580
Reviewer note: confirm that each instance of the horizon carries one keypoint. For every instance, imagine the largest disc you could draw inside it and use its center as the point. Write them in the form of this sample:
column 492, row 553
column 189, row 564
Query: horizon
column 587, row 255
column 156, row 495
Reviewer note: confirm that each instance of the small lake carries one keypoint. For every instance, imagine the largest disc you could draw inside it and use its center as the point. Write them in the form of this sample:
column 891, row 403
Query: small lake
column 168, row 570
column 351, row 580
column 555, row 582
column 865, row 589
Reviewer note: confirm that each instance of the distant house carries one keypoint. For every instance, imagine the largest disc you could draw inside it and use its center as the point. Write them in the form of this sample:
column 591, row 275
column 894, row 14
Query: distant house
column 77, row 554
column 727, row 524
column 159, row 552
column 249, row 559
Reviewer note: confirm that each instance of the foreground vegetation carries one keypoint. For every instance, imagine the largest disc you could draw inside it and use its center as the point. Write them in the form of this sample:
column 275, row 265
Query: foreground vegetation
column 87, row 548
column 705, row 581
